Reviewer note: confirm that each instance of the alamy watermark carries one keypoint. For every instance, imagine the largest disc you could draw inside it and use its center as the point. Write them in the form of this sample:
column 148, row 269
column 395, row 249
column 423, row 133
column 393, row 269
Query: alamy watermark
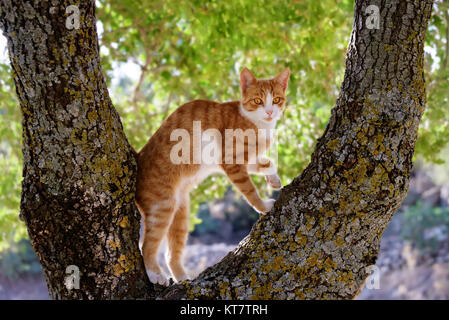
column 373, row 280
column 73, row 20
column 373, row 19
column 72, row 279
column 208, row 147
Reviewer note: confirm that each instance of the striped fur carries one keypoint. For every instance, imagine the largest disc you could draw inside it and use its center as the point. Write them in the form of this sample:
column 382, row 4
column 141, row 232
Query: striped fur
column 162, row 190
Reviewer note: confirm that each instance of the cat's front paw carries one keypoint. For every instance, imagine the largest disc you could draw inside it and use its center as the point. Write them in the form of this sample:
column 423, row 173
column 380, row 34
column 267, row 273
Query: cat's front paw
column 268, row 204
column 274, row 181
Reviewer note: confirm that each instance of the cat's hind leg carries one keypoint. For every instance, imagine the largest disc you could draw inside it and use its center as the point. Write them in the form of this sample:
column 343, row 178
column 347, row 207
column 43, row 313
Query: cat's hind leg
column 158, row 216
column 177, row 237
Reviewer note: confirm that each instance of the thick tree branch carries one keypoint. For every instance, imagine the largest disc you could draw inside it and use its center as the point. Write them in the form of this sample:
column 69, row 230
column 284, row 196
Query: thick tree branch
column 325, row 228
column 79, row 170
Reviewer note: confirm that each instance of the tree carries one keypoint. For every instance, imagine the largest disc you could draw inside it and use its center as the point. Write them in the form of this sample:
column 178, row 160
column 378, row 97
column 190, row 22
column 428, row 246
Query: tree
column 325, row 228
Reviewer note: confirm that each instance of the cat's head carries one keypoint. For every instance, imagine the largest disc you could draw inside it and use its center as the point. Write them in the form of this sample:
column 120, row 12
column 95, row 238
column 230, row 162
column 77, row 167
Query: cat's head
column 263, row 101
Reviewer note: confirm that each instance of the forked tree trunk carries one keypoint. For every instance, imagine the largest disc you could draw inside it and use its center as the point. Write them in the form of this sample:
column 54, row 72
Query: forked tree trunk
column 325, row 228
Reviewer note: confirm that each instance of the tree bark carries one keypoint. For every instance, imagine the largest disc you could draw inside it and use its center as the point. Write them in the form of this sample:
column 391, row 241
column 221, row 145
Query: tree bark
column 326, row 226
column 79, row 170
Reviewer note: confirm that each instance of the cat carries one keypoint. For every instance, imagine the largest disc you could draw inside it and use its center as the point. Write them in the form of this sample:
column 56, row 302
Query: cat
column 163, row 183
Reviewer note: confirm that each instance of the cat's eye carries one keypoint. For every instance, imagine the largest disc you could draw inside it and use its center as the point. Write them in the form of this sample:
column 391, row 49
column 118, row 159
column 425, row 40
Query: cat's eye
column 258, row 101
column 276, row 100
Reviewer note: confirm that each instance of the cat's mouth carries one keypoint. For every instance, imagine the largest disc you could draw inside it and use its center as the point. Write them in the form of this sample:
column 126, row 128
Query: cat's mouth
column 268, row 119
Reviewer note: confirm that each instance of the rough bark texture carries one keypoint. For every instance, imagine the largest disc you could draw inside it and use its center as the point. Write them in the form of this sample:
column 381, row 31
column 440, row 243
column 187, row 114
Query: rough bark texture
column 79, row 170
column 326, row 226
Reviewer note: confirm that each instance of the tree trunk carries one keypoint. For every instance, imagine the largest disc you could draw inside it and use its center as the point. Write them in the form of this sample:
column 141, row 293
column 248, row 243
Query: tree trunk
column 79, row 171
column 325, row 228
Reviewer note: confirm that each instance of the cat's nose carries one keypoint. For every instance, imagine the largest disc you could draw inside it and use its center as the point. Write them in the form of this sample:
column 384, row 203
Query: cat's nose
column 269, row 112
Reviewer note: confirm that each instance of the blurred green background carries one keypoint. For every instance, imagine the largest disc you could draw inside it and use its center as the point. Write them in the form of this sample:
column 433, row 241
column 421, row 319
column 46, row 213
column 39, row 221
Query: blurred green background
column 157, row 55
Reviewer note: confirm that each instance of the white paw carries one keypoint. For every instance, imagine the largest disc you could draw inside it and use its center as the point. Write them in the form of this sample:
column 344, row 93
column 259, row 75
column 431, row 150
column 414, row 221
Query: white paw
column 268, row 205
column 274, row 181
column 183, row 278
column 158, row 278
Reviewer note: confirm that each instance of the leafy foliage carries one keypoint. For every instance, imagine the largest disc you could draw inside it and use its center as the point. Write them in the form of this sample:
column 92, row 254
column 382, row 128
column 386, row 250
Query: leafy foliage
column 433, row 134
column 10, row 161
column 160, row 54
column 195, row 50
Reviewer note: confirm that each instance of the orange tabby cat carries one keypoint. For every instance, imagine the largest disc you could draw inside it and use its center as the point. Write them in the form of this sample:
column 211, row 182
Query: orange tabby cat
column 165, row 178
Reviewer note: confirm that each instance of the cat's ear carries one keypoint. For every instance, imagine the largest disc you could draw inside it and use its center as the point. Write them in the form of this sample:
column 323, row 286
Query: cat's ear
column 282, row 78
column 246, row 79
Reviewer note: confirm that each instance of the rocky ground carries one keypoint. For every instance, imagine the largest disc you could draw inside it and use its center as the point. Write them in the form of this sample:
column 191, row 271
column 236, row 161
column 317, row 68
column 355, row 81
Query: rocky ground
column 23, row 288
column 407, row 273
